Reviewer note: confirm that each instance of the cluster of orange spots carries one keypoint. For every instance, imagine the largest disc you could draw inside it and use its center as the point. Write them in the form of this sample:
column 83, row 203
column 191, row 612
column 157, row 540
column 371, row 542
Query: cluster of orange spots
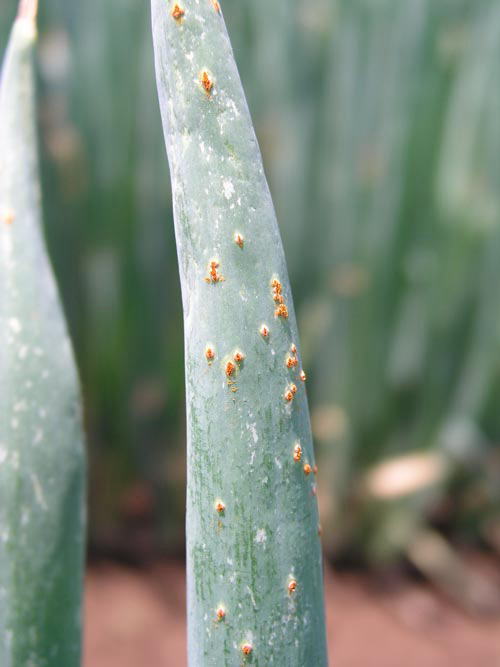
column 264, row 331
column 220, row 507
column 238, row 356
column 292, row 586
column 213, row 275
column 281, row 309
column 221, row 613
column 307, row 469
column 297, row 453
column 209, row 353
column 290, row 392
column 277, row 289
column 8, row 216
column 177, row 12
column 246, row 648
column 230, row 369
column 206, row 82
column 292, row 361
column 238, row 239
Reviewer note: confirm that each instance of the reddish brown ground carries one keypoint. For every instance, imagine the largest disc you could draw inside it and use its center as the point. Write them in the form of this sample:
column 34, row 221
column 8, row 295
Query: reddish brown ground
column 135, row 618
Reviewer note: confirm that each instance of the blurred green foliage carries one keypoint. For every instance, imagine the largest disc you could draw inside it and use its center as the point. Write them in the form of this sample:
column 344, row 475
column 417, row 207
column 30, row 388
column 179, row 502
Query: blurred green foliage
column 378, row 121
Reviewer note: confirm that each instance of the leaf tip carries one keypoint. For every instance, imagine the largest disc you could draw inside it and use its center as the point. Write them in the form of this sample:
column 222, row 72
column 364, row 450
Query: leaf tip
column 28, row 10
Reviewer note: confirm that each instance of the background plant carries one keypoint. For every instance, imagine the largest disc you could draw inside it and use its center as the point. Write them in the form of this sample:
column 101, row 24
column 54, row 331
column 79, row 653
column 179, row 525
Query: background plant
column 42, row 466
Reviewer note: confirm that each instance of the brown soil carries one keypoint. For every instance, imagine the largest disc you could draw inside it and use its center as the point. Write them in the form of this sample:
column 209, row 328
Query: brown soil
column 135, row 618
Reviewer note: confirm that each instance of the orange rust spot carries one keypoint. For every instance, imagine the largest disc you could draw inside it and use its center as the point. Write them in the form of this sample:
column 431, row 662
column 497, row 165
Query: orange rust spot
column 238, row 356
column 216, row 6
column 264, row 331
column 307, row 469
column 206, row 82
column 230, row 368
column 8, row 216
column 293, row 389
column 288, row 395
column 221, row 613
column 291, row 362
column 293, row 349
column 279, row 298
column 292, row 586
column 281, row 311
column 297, row 453
column 177, row 12
column 213, row 275
column 238, row 239
column 210, row 354
column 220, row 507
column 302, row 375
column 246, row 649
column 276, row 285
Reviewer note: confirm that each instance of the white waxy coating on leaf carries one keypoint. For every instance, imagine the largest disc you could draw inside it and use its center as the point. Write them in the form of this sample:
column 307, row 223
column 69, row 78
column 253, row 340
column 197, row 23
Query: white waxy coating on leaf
column 239, row 426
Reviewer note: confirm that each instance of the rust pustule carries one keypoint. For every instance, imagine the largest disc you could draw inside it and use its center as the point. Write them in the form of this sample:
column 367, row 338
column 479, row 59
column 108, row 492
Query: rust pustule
column 281, row 311
column 297, row 452
column 216, row 6
column 293, row 349
column 246, row 648
column 230, row 368
column 288, row 396
column 291, row 362
column 307, row 469
column 302, row 375
column 209, row 353
column 206, row 82
column 238, row 239
column 276, row 285
column 221, row 614
column 315, row 469
column 264, row 331
column 293, row 389
column 213, row 275
column 238, row 356
column 292, row 586
column 220, row 507
column 8, row 216
column 177, row 12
